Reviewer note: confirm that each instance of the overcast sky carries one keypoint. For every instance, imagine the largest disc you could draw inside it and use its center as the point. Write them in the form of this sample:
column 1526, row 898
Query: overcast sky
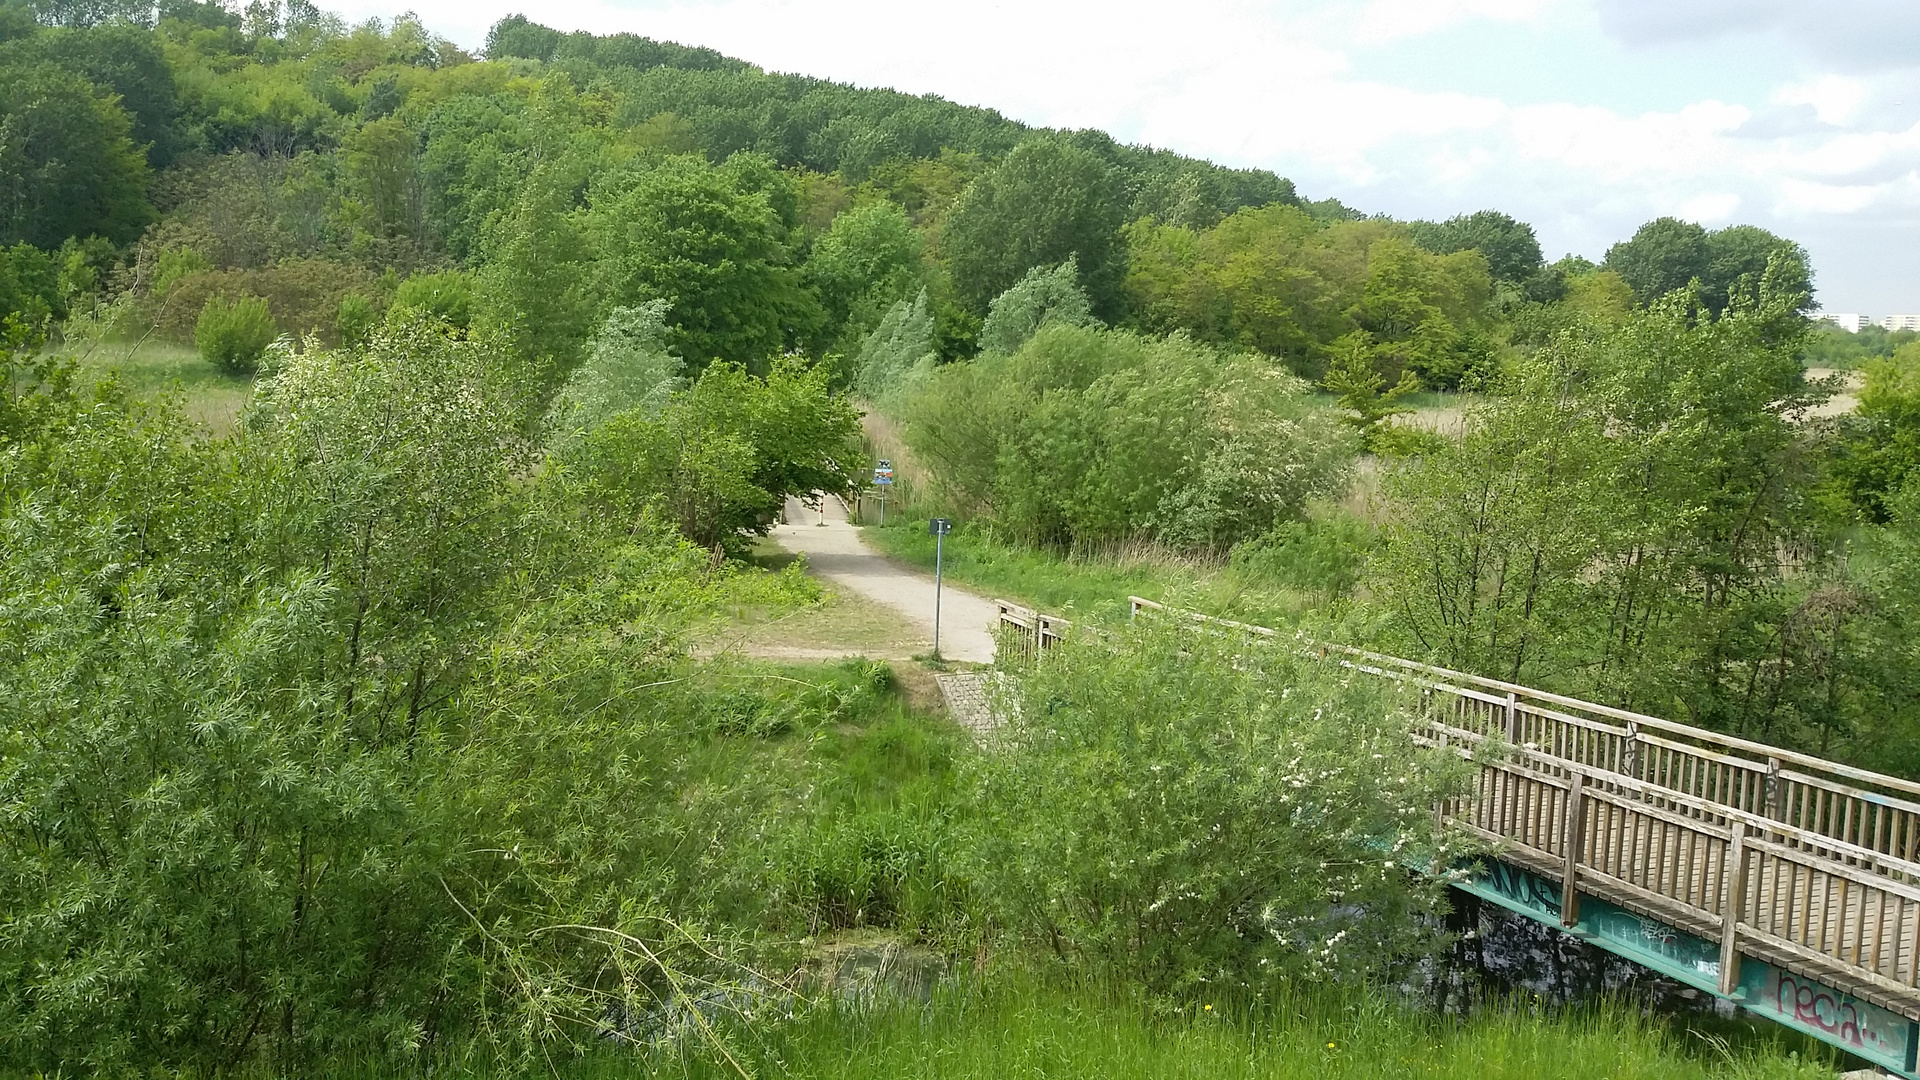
column 1584, row 117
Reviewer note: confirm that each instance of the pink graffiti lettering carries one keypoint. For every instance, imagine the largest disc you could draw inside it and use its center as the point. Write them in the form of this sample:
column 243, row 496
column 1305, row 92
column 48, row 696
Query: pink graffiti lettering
column 1818, row 1007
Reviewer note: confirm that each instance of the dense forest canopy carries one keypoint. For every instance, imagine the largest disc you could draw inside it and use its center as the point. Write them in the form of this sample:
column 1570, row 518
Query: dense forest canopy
column 168, row 157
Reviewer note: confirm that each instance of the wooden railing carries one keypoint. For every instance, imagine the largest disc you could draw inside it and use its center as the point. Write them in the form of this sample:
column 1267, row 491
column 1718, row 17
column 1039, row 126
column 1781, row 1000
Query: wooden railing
column 1809, row 864
column 1033, row 629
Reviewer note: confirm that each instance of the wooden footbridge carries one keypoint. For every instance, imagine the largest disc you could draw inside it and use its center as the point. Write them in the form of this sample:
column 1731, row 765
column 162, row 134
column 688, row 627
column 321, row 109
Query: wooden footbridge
column 1785, row 883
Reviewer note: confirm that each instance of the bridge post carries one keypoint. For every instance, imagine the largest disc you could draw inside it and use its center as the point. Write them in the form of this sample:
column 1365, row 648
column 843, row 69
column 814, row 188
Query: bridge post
column 1773, row 788
column 1573, row 842
column 1630, row 754
column 1513, row 718
column 1735, row 875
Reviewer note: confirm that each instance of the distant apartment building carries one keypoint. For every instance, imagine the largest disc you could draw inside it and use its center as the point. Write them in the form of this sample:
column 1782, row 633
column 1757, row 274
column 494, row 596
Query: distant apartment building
column 1900, row 322
column 1850, row 323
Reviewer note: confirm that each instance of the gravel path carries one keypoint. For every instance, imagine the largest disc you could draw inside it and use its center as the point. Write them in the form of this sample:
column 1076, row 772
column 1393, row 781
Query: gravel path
column 835, row 551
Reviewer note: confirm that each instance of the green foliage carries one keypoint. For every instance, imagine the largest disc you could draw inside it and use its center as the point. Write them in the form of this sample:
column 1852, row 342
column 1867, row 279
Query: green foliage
column 1203, row 815
column 122, row 57
column 68, row 165
column 1045, row 295
column 628, row 367
column 720, row 460
column 1879, row 445
column 234, row 333
column 534, row 288
column 1276, row 280
column 379, row 159
column 1667, row 254
column 343, row 718
column 1363, row 392
column 1048, row 201
column 29, row 286
column 303, row 294
column 713, row 243
column 1511, row 250
column 447, row 296
column 869, row 259
column 1830, row 346
column 1087, row 436
column 1321, row 556
column 896, row 355
column 355, row 321
column 1628, row 519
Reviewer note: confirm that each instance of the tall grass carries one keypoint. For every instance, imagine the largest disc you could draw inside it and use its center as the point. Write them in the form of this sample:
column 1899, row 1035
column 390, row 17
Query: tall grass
column 1097, row 582
column 1016, row 1028
column 151, row 369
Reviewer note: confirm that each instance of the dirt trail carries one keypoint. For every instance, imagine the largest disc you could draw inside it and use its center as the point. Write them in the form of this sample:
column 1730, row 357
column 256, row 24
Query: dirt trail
column 835, row 552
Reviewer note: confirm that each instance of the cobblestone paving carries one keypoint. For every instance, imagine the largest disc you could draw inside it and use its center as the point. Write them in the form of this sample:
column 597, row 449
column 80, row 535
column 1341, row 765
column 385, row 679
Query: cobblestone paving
column 966, row 695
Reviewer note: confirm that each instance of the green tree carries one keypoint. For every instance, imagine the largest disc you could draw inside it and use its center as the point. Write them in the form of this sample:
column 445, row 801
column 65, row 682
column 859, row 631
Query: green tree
column 628, row 367
column 1740, row 257
column 1879, row 445
column 380, row 164
column 535, row 287
column 1087, row 436
column 712, row 243
column 869, row 258
column 1629, row 520
column 1046, row 201
column 1663, row 256
column 68, row 166
column 126, row 59
column 719, row 461
column 1511, row 249
column 1045, row 295
column 896, row 354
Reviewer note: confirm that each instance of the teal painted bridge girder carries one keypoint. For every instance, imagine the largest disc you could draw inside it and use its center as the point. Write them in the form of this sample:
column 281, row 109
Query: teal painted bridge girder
column 1861, row 1028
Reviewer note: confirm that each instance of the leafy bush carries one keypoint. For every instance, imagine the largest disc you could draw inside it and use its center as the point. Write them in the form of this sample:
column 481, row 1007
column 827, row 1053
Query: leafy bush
column 324, row 783
column 719, row 461
column 1086, row 436
column 1191, row 810
column 1322, row 556
column 447, row 296
column 234, row 334
column 356, row 319
column 303, row 294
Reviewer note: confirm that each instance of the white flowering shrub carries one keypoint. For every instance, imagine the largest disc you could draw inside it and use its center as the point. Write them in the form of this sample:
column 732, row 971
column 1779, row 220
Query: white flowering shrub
column 1198, row 811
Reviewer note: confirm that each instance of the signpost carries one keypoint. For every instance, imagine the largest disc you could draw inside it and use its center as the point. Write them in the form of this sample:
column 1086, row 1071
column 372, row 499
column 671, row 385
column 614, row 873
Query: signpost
column 883, row 479
column 938, row 528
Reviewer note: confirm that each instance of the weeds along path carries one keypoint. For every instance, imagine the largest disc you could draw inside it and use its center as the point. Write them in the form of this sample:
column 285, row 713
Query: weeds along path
column 835, row 551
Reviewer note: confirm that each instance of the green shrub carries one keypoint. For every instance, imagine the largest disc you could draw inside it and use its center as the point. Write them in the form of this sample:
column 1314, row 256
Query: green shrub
column 1314, row 556
column 1087, row 436
column 1206, row 813
column 447, row 296
column 356, row 319
column 234, row 334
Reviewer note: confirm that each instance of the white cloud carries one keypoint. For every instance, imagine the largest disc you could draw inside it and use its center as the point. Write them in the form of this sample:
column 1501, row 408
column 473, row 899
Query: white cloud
column 1715, row 208
column 1808, row 196
column 1835, row 98
column 1386, row 20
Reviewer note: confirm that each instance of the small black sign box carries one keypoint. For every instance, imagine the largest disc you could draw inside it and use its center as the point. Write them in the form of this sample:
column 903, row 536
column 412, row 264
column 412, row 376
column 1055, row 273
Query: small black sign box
column 939, row 526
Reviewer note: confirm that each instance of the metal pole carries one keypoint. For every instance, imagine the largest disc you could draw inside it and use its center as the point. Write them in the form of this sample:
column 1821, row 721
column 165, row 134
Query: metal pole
column 939, row 550
column 883, row 506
